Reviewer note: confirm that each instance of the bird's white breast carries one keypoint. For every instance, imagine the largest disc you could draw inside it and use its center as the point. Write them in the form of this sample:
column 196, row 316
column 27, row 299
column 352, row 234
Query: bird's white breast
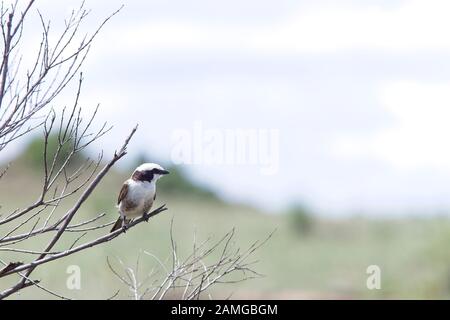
column 139, row 193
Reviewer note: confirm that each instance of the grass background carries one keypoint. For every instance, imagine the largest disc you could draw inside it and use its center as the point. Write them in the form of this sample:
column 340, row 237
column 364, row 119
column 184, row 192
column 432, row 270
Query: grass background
column 309, row 256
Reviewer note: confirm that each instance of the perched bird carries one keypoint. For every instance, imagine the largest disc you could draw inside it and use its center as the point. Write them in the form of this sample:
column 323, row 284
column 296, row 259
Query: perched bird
column 138, row 193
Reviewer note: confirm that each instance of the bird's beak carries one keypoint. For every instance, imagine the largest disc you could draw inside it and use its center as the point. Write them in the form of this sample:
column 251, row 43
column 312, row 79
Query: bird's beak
column 164, row 172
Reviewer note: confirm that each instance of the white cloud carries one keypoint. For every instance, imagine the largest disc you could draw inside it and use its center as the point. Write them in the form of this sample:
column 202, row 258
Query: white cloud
column 418, row 137
column 414, row 25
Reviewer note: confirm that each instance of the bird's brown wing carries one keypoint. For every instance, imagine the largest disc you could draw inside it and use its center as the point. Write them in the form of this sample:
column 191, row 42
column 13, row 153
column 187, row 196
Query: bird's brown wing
column 123, row 192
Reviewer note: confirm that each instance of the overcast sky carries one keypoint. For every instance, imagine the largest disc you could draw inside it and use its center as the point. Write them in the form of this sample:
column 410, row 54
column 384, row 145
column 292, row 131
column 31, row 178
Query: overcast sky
column 359, row 92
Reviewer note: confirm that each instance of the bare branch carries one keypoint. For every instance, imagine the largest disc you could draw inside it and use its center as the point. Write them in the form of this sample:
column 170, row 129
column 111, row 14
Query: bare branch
column 193, row 276
column 90, row 244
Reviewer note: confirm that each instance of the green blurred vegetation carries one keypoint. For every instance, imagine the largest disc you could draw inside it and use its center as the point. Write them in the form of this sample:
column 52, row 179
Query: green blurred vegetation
column 33, row 155
column 301, row 219
column 309, row 256
column 177, row 183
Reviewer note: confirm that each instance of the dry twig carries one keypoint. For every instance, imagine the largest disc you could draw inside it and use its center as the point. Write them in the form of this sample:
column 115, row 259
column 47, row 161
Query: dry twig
column 209, row 264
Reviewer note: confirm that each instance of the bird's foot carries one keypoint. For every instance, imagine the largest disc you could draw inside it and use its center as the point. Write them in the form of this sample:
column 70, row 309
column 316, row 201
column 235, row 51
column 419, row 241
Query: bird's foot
column 146, row 217
column 124, row 227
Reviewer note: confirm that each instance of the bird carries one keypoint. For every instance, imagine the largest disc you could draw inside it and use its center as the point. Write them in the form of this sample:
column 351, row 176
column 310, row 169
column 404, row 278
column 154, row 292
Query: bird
column 138, row 193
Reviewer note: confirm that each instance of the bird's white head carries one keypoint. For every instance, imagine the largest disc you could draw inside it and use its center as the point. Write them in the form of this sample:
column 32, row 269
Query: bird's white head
column 149, row 172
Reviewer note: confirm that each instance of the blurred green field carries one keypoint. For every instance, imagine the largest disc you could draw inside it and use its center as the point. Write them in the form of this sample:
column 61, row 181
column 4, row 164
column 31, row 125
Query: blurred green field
column 326, row 260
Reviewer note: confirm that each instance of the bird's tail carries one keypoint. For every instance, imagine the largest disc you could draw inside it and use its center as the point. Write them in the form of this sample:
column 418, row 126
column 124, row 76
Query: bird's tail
column 117, row 225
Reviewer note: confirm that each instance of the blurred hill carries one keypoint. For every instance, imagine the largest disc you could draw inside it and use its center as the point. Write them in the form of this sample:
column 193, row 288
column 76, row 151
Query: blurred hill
column 176, row 184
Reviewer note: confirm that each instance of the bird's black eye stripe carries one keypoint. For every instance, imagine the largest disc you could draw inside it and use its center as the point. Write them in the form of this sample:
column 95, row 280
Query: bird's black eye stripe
column 148, row 176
